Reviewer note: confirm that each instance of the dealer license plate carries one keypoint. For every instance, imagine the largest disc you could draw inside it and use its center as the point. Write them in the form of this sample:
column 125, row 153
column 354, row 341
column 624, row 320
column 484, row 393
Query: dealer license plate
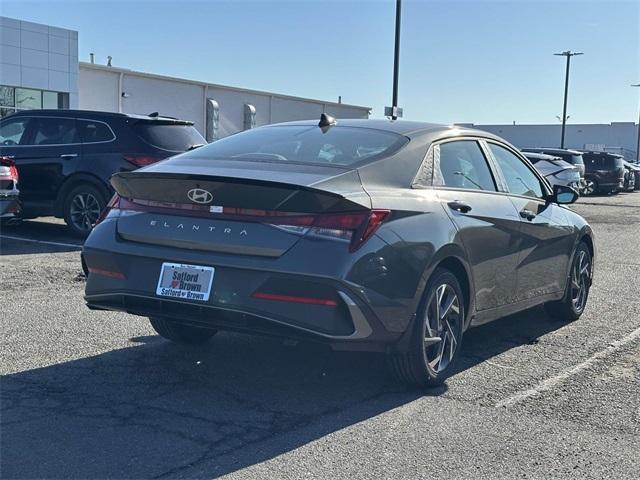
column 190, row 282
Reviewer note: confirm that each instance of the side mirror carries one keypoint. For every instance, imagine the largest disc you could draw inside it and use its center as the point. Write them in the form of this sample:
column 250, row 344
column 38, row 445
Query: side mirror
column 564, row 195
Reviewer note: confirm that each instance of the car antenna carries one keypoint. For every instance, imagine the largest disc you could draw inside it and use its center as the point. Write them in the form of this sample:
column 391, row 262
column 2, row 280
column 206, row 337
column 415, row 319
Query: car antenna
column 326, row 122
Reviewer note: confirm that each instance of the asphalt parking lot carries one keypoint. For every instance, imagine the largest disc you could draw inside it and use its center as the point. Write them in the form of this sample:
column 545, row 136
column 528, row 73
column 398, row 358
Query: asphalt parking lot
column 98, row 395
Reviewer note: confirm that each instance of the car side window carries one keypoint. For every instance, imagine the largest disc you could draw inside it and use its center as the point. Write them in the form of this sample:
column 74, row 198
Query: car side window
column 12, row 131
column 519, row 177
column 54, row 131
column 461, row 164
column 91, row 132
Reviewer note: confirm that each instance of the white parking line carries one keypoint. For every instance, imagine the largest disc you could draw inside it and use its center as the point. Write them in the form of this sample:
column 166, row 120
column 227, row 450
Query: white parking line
column 549, row 383
column 59, row 244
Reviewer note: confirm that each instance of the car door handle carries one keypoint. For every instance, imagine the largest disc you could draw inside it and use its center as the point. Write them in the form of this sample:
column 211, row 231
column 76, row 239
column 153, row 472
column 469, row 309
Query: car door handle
column 68, row 156
column 459, row 206
column 528, row 214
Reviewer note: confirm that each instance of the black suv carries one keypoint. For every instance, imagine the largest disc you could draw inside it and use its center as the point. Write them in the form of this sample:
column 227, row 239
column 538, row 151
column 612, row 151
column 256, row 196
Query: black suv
column 604, row 172
column 66, row 157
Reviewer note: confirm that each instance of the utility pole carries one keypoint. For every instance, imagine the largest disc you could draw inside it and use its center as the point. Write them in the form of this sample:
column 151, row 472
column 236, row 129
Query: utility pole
column 638, row 140
column 567, row 54
column 394, row 112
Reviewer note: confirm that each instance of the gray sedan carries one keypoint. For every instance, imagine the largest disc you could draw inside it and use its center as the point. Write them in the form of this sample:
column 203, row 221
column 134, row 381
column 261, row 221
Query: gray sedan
column 377, row 235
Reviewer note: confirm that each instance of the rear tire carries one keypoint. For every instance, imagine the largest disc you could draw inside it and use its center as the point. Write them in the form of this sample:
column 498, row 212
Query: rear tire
column 590, row 187
column 573, row 303
column 81, row 208
column 428, row 362
column 180, row 333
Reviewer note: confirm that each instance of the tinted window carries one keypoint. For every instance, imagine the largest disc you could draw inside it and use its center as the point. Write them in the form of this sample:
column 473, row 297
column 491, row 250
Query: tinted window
column 335, row 146
column 94, row 131
column 520, row 179
column 172, row 137
column 12, row 131
column 462, row 165
column 54, row 131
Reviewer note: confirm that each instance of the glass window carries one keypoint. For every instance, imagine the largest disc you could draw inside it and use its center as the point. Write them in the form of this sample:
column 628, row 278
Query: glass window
column 50, row 100
column 6, row 97
column 28, row 99
column 94, row 131
column 55, row 131
column 462, row 164
column 167, row 136
column 307, row 144
column 12, row 131
column 5, row 112
column 520, row 179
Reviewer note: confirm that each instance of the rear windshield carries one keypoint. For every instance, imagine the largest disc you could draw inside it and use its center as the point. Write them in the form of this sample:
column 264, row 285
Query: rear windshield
column 306, row 144
column 172, row 137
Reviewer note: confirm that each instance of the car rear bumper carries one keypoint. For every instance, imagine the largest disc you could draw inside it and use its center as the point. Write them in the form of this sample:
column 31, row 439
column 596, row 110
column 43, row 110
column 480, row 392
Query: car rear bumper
column 123, row 276
column 9, row 205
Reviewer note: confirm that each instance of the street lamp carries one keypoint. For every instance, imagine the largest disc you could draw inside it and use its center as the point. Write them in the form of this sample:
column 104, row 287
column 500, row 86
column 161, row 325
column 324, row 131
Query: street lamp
column 567, row 54
column 394, row 112
column 638, row 141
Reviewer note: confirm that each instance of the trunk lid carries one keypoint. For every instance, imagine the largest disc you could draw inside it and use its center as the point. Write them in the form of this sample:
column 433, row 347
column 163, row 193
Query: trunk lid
column 240, row 207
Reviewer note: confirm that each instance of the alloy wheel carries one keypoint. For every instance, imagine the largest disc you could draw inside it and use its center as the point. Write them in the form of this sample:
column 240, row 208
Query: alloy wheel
column 441, row 324
column 580, row 278
column 589, row 187
column 84, row 211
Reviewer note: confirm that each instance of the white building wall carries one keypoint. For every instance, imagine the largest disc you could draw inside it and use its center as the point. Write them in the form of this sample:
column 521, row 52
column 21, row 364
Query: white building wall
column 39, row 56
column 146, row 95
column 98, row 90
column 231, row 103
column 102, row 88
column 615, row 135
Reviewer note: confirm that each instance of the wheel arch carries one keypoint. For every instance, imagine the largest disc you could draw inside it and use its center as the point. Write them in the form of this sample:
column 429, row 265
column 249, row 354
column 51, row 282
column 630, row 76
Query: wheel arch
column 74, row 181
column 453, row 258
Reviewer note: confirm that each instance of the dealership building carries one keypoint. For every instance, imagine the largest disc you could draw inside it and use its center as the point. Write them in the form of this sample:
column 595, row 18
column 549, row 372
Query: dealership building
column 39, row 68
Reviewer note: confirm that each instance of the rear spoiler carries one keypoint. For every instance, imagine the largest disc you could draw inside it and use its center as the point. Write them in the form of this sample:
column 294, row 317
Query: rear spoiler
column 156, row 119
column 238, row 192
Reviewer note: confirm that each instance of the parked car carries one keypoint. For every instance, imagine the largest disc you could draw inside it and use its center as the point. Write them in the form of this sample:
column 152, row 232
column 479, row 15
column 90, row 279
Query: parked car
column 574, row 157
column 66, row 157
column 376, row 235
column 604, row 172
column 635, row 168
column 629, row 177
column 555, row 170
column 9, row 203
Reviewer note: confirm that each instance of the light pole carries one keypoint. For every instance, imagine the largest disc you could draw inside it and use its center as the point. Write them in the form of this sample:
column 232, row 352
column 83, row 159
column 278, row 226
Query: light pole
column 394, row 112
column 638, row 141
column 567, row 54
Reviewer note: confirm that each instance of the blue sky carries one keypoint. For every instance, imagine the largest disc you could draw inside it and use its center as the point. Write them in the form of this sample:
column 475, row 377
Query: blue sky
column 461, row 61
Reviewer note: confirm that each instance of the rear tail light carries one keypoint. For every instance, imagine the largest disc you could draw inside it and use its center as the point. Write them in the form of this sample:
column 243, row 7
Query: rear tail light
column 114, row 204
column 357, row 228
column 141, row 160
column 353, row 227
column 8, row 169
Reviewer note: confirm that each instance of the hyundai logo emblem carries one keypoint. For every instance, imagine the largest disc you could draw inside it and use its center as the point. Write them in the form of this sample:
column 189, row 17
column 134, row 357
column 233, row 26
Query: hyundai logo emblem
column 198, row 195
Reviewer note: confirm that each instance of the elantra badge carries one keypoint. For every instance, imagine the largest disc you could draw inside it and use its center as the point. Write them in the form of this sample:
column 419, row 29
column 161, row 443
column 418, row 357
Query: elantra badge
column 198, row 195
